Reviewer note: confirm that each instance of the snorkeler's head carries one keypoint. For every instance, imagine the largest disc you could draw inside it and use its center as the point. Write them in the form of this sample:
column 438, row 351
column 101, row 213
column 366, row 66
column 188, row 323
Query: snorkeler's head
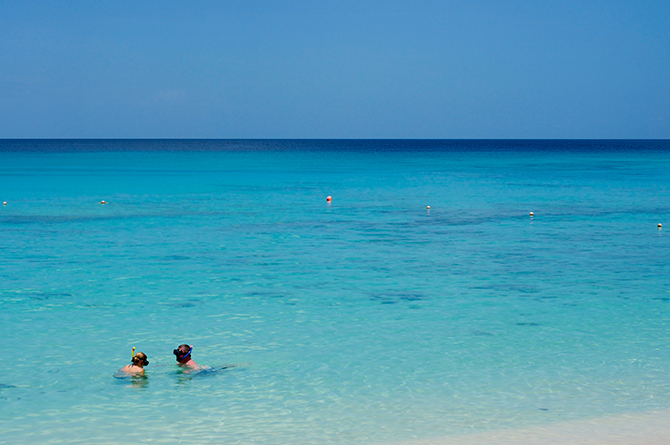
column 140, row 359
column 183, row 352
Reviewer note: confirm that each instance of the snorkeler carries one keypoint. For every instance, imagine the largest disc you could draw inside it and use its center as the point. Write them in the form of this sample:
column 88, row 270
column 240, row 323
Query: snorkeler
column 183, row 353
column 185, row 360
column 139, row 361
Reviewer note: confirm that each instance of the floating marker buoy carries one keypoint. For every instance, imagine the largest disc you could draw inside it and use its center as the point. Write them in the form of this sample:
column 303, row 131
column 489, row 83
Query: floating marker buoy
column 427, row 207
column 103, row 202
column 330, row 198
column 531, row 214
column 4, row 203
column 659, row 225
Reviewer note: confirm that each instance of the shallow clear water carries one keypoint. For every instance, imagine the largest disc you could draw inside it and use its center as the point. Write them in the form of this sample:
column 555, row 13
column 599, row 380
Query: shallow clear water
column 367, row 320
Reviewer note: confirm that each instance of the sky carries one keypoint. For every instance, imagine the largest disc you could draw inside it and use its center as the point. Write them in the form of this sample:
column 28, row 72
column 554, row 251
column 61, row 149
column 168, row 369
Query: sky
column 335, row 69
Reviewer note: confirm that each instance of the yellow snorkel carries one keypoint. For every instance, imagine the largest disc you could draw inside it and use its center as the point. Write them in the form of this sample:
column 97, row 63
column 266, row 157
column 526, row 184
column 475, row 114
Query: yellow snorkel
column 133, row 356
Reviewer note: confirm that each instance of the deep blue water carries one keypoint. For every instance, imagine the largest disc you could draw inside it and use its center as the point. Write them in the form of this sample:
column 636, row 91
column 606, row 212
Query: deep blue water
column 367, row 320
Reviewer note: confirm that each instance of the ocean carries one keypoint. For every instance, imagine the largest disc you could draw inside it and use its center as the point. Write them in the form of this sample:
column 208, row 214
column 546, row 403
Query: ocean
column 370, row 319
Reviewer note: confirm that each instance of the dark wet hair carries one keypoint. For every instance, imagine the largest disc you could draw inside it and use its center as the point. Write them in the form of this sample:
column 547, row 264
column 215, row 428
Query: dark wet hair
column 140, row 359
column 182, row 352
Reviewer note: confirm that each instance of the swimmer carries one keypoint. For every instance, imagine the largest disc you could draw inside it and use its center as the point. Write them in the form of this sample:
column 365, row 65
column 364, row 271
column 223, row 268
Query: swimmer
column 137, row 365
column 185, row 360
column 183, row 353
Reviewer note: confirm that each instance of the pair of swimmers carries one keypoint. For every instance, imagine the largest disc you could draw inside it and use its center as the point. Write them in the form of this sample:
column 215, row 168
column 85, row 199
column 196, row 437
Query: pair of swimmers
column 139, row 360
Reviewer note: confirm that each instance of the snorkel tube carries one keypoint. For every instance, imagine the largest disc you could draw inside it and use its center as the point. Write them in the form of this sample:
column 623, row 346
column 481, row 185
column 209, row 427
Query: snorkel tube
column 183, row 357
column 133, row 355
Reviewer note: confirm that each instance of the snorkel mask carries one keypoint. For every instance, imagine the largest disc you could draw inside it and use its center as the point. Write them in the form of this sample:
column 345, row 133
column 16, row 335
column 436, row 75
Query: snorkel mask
column 181, row 355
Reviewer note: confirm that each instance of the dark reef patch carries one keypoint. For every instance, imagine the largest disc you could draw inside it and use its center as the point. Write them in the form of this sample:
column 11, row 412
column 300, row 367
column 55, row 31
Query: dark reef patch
column 46, row 296
column 185, row 304
column 395, row 297
column 176, row 257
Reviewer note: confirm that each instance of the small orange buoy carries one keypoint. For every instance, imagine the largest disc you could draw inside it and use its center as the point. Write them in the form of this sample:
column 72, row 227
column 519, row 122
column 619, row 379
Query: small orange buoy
column 531, row 214
column 427, row 207
column 330, row 198
column 103, row 202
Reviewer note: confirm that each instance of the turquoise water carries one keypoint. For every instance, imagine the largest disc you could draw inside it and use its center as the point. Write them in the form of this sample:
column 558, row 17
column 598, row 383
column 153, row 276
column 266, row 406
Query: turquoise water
column 367, row 320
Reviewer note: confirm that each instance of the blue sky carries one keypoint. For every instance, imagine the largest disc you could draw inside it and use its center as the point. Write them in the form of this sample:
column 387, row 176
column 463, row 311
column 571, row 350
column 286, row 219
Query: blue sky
column 346, row 69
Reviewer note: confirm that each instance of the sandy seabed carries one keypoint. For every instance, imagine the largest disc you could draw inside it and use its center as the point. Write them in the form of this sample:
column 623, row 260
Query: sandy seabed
column 648, row 428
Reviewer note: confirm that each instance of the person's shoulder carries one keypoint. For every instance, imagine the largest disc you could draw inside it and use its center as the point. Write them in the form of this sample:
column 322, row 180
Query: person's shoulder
column 130, row 369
